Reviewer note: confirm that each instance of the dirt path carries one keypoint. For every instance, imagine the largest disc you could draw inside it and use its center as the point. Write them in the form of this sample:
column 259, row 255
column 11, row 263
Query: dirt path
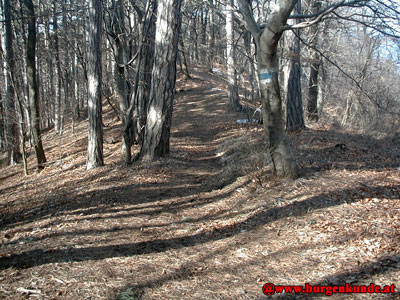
column 75, row 224
column 188, row 226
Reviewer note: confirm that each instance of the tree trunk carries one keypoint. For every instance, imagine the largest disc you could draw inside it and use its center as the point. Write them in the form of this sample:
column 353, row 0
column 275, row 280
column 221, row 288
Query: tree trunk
column 294, row 103
column 211, row 37
column 95, row 132
column 159, row 113
column 183, row 61
column 268, row 68
column 11, row 131
column 312, row 103
column 144, row 72
column 204, row 21
column 33, row 89
column 121, row 58
column 233, row 92
column 58, row 97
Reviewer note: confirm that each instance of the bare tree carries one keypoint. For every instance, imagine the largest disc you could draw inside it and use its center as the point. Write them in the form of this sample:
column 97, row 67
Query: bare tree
column 11, row 132
column 144, row 69
column 233, row 92
column 315, row 62
column 159, row 112
column 294, row 100
column 267, row 37
column 117, row 30
column 33, row 88
column 267, row 41
column 95, row 131
column 58, row 105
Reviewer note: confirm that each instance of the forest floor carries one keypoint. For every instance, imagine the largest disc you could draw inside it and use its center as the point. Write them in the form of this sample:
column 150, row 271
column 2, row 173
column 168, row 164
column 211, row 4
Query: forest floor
column 207, row 222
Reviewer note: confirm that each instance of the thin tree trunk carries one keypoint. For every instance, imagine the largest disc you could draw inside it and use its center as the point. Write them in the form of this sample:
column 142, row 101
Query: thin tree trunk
column 22, row 134
column 121, row 58
column 233, row 92
column 294, row 102
column 58, row 97
column 211, row 37
column 95, row 132
column 159, row 116
column 183, row 60
column 204, row 21
column 11, row 132
column 312, row 103
column 33, row 88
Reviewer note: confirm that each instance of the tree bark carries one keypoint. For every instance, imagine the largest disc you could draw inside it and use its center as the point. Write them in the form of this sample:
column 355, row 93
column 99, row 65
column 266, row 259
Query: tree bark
column 11, row 131
column 294, row 102
column 204, row 21
column 211, row 37
column 233, row 91
column 58, row 97
column 95, row 131
column 121, row 58
column 159, row 113
column 312, row 103
column 183, row 60
column 33, row 88
column 144, row 71
column 268, row 68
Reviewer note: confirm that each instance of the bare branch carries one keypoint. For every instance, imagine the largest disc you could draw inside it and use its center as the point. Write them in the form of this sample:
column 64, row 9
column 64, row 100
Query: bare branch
column 371, row 25
column 244, row 7
column 370, row 98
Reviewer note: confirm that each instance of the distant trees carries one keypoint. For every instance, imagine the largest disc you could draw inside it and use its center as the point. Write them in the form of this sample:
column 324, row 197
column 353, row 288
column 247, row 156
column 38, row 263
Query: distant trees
column 58, row 61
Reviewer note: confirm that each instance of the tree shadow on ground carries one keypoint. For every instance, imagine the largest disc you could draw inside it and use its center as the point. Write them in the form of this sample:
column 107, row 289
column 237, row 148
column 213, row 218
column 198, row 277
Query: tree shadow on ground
column 364, row 271
column 44, row 256
column 316, row 151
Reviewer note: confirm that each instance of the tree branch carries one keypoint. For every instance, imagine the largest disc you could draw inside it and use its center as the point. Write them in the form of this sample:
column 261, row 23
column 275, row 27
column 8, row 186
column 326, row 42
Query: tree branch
column 347, row 75
column 244, row 7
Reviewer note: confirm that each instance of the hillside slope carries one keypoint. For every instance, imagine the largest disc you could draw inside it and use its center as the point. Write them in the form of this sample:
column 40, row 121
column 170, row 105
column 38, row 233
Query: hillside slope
column 209, row 221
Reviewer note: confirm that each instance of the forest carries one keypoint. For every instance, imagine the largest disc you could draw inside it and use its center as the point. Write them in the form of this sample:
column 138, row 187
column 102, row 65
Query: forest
column 188, row 149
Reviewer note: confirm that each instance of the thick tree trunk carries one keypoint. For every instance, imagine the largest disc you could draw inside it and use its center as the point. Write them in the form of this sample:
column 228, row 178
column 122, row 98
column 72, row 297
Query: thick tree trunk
column 233, row 91
column 95, row 131
column 159, row 116
column 268, row 68
column 144, row 72
column 294, row 102
column 33, row 89
column 11, row 131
